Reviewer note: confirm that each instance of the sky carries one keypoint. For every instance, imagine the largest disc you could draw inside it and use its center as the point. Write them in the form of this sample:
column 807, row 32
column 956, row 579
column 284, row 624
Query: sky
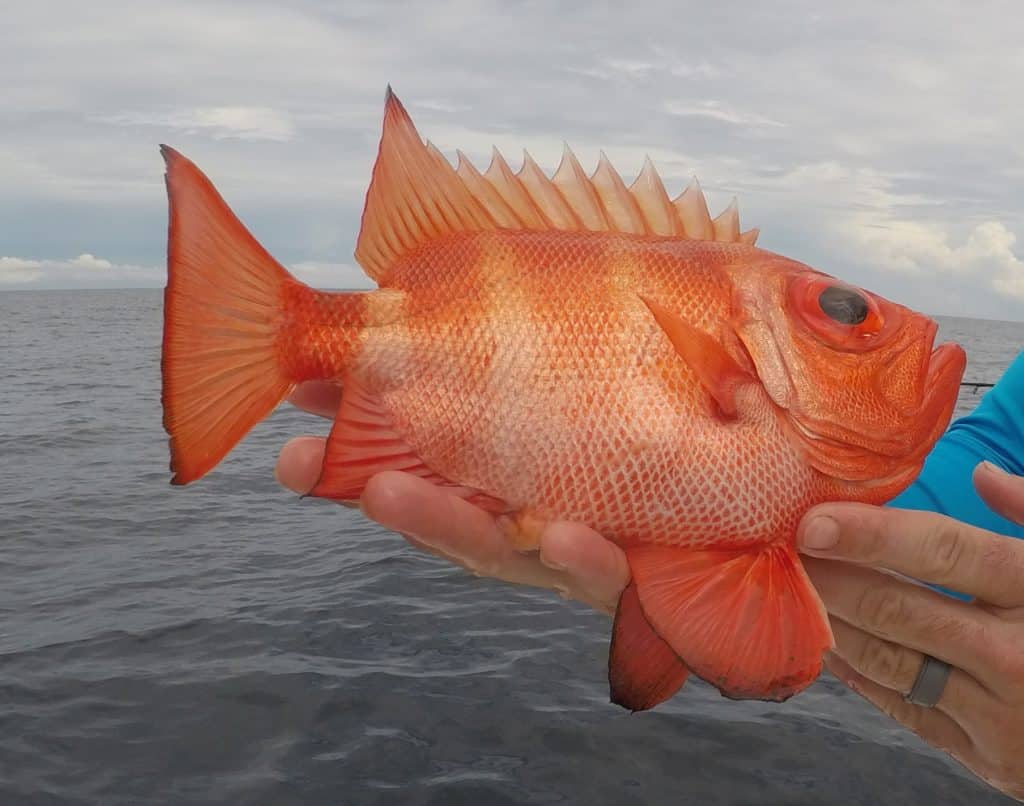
column 880, row 142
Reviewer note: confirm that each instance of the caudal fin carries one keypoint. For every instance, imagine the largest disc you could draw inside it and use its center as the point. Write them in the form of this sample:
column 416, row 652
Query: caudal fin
column 222, row 313
column 747, row 621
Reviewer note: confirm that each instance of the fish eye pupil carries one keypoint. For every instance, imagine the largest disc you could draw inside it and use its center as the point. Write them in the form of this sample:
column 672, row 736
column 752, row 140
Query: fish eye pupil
column 843, row 305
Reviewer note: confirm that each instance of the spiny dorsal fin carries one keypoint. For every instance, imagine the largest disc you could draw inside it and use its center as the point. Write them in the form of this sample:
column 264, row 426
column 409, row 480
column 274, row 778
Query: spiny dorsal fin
column 415, row 196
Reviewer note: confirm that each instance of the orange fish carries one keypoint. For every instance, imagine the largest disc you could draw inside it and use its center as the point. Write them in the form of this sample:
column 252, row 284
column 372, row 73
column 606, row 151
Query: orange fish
column 573, row 348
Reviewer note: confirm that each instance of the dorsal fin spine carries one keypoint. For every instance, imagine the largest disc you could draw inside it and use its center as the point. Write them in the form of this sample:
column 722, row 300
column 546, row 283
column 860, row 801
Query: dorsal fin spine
column 499, row 208
column 528, row 209
column 613, row 191
column 648, row 187
column 573, row 185
column 552, row 203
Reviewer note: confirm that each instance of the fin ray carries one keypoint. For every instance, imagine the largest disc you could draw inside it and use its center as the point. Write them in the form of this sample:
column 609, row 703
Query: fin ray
column 747, row 621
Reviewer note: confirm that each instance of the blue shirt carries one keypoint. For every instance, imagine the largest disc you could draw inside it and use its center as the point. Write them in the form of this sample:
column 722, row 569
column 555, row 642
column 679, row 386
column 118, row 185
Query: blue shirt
column 993, row 431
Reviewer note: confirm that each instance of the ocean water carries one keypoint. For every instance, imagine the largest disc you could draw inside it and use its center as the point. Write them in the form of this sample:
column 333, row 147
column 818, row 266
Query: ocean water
column 229, row 643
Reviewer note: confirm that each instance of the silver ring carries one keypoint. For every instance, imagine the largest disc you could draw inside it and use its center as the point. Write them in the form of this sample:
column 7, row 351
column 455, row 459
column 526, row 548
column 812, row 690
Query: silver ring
column 930, row 682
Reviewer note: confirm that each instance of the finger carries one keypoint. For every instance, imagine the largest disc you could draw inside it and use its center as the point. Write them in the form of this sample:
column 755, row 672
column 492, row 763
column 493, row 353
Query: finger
column 1002, row 491
column 299, row 463
column 317, row 397
column 897, row 667
column 935, row 727
column 456, row 528
column 910, row 615
column 597, row 569
column 922, row 545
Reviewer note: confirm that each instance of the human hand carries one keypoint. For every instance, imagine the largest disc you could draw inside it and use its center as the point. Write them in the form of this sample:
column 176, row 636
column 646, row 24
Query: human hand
column 884, row 625
column 573, row 559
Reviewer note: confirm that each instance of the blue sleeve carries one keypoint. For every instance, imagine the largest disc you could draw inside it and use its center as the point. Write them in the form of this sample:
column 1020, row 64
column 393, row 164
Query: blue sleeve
column 993, row 431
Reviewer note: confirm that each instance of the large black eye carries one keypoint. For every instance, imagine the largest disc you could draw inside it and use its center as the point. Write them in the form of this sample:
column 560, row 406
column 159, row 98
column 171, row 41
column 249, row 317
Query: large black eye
column 844, row 305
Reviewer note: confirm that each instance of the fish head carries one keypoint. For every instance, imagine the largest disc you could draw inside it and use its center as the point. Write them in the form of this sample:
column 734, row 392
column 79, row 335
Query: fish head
column 858, row 380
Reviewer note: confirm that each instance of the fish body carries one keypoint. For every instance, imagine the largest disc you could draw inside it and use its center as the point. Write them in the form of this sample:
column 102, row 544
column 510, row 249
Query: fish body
column 573, row 349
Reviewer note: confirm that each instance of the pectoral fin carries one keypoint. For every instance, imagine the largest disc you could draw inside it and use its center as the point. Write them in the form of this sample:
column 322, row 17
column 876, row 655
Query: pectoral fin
column 719, row 373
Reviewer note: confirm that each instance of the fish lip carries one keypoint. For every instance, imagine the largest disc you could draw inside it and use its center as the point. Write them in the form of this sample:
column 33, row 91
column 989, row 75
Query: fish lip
column 946, row 360
column 942, row 383
column 936, row 364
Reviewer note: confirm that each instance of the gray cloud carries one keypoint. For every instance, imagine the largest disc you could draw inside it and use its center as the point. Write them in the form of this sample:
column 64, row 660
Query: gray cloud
column 877, row 141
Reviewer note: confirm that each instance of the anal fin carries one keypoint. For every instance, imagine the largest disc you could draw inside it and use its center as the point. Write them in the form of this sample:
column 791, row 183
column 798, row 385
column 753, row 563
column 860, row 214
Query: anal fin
column 643, row 671
column 747, row 621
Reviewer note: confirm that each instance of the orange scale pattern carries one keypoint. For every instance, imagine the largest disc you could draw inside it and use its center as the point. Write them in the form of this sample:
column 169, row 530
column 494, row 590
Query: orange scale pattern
column 525, row 366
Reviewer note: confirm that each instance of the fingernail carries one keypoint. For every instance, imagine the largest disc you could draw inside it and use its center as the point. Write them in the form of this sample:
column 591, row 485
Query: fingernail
column 821, row 533
column 992, row 468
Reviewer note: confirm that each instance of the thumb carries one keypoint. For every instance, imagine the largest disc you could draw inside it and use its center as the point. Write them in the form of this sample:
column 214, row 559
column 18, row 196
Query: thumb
column 1002, row 491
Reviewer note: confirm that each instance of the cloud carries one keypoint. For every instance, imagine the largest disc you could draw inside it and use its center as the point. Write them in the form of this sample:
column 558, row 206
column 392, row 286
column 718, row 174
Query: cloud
column 220, row 122
column 19, row 271
column 89, row 271
column 84, row 271
column 923, row 247
column 926, row 249
column 660, row 62
column 331, row 275
column 716, row 110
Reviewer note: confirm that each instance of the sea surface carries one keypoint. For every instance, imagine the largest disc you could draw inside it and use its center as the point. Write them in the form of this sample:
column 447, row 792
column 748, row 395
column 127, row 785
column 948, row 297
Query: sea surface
column 231, row 643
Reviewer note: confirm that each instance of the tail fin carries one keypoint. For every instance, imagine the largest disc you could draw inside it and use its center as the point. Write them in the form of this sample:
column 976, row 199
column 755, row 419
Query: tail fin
column 222, row 312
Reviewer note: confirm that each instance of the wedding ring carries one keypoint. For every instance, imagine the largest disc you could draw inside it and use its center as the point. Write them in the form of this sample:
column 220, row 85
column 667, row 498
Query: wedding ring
column 930, row 682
